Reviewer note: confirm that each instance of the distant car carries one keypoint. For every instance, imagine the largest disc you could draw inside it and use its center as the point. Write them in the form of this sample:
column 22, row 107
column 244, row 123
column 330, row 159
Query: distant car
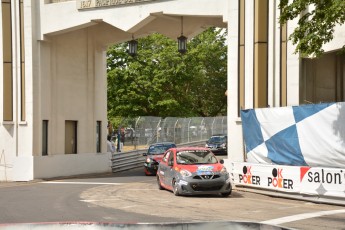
column 154, row 155
column 218, row 144
column 193, row 171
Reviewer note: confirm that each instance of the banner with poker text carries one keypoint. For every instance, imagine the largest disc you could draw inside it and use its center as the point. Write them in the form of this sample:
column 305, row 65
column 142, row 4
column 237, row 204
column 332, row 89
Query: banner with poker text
column 316, row 181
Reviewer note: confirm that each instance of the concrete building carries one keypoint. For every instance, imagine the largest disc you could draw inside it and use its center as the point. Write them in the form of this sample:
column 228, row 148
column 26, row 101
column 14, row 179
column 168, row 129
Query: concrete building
column 53, row 119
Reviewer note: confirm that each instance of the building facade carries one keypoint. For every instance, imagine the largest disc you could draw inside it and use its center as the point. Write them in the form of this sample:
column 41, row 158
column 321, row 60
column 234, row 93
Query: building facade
column 270, row 73
column 53, row 82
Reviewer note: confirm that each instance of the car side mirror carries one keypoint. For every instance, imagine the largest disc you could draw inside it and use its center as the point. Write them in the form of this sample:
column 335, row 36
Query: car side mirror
column 221, row 161
column 144, row 154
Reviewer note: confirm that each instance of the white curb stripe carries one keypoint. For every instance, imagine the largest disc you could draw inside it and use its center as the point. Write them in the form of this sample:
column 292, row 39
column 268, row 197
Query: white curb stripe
column 301, row 217
column 76, row 182
column 91, row 201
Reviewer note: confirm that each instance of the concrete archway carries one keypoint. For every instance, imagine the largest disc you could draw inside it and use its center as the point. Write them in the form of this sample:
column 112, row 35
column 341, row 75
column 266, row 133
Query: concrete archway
column 67, row 46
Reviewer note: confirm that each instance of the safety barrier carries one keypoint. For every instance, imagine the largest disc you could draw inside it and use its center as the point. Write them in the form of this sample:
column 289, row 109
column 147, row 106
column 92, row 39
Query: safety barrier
column 134, row 159
column 127, row 160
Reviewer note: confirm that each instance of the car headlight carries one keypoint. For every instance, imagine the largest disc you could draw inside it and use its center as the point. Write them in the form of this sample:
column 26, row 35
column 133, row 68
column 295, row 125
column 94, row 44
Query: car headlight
column 224, row 171
column 185, row 173
column 148, row 160
column 223, row 145
column 206, row 145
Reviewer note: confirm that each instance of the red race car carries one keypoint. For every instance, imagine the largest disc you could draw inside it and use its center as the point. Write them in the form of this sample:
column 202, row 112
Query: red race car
column 154, row 155
column 192, row 171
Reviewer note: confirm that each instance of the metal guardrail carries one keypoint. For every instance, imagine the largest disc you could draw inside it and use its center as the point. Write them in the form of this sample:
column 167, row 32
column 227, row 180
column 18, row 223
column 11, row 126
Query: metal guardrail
column 134, row 159
column 127, row 160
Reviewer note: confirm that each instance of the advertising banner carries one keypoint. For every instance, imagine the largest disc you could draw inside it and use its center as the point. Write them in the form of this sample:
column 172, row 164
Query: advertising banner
column 274, row 177
column 315, row 181
column 307, row 135
column 323, row 181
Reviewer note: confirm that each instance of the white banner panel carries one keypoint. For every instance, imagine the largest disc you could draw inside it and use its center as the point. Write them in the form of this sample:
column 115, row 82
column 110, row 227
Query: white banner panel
column 274, row 177
column 323, row 181
column 307, row 135
column 316, row 181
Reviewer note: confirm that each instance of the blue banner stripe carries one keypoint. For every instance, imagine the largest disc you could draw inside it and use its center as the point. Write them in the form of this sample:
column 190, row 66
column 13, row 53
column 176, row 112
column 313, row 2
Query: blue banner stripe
column 251, row 129
column 284, row 149
column 304, row 111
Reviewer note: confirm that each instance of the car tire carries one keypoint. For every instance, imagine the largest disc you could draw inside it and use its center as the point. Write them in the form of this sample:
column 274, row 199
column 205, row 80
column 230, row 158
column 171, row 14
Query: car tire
column 159, row 184
column 146, row 172
column 175, row 188
column 226, row 194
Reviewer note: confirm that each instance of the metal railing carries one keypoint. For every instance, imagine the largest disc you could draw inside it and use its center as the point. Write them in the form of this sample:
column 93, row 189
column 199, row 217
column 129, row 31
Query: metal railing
column 127, row 160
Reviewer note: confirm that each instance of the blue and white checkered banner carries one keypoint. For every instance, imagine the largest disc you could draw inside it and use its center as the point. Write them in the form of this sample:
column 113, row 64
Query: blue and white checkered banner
column 308, row 135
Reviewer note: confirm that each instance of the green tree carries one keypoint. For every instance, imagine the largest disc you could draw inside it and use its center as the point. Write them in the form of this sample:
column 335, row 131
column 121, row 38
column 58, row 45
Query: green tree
column 315, row 26
column 161, row 82
column 208, row 60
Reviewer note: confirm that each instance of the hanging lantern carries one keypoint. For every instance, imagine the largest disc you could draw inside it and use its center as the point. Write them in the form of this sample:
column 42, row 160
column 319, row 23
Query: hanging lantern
column 182, row 41
column 132, row 47
column 182, row 44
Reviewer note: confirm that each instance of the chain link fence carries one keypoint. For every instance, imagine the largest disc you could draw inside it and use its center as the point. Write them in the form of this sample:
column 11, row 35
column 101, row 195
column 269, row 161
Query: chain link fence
column 140, row 132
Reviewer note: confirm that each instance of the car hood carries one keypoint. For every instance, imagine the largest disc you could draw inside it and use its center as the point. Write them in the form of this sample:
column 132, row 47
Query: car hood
column 215, row 143
column 156, row 157
column 200, row 169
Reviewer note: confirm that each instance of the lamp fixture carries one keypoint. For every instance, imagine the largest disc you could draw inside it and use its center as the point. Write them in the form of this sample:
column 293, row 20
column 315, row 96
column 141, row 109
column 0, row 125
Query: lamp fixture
column 182, row 40
column 132, row 47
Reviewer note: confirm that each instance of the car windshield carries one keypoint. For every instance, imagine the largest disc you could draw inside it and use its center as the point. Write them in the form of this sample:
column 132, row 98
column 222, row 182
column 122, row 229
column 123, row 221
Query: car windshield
column 191, row 157
column 159, row 149
column 217, row 139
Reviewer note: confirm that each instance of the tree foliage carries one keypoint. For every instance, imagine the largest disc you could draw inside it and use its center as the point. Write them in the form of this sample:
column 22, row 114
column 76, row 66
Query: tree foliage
column 316, row 24
column 161, row 82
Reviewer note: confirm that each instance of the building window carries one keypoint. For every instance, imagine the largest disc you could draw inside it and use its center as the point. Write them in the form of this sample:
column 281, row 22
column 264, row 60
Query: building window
column 71, row 136
column 322, row 79
column 45, row 138
column 22, row 61
column 241, row 57
column 7, row 60
column 98, row 136
column 260, row 53
column 283, row 64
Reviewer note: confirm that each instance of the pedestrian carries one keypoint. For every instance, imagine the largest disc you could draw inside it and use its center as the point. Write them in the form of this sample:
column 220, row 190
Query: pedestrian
column 110, row 145
column 115, row 143
column 122, row 138
column 118, row 141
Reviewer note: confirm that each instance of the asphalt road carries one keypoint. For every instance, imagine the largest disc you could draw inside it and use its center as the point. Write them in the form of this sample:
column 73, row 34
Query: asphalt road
column 132, row 197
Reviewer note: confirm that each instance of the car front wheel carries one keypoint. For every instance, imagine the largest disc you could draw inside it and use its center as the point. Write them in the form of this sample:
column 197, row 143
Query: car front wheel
column 159, row 184
column 226, row 194
column 175, row 188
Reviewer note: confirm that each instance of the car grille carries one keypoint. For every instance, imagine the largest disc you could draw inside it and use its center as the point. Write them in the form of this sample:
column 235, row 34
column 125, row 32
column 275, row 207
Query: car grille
column 203, row 188
column 206, row 177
